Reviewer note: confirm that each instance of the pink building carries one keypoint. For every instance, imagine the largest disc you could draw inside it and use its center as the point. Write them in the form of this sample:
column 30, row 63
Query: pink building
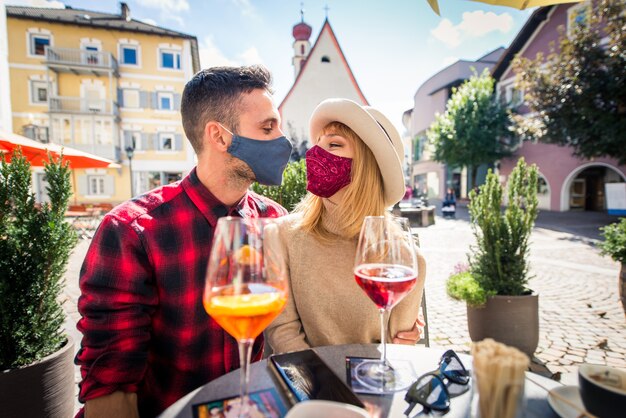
column 431, row 98
column 567, row 182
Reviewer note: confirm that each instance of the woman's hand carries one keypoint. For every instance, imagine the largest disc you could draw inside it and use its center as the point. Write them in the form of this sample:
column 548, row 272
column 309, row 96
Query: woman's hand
column 413, row 336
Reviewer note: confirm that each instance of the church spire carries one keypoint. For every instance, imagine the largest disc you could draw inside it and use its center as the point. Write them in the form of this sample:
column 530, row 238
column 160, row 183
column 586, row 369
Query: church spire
column 301, row 45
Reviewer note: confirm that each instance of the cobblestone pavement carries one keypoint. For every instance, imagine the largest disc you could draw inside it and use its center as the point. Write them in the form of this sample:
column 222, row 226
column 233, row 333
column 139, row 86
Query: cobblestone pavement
column 581, row 319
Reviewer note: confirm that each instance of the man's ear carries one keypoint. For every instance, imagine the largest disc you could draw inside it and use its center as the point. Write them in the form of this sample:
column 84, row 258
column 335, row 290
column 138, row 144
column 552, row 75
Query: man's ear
column 216, row 136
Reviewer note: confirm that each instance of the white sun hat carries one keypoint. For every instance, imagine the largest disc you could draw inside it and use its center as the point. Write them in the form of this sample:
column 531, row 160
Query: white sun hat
column 378, row 133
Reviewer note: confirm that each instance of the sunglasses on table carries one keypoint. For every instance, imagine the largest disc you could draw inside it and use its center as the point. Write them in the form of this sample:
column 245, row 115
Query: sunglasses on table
column 433, row 390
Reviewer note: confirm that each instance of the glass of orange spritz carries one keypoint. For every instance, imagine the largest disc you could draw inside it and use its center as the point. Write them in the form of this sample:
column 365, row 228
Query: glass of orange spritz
column 246, row 284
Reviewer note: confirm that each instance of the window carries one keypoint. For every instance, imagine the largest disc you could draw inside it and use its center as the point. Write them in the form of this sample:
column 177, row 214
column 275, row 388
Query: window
column 130, row 98
column 38, row 133
column 166, row 142
column 577, row 16
column 165, row 101
column 172, row 177
column 170, row 59
column 129, row 55
column 133, row 139
column 148, row 180
column 91, row 54
column 38, row 44
column 325, row 58
column 514, row 97
column 38, row 92
column 96, row 185
column 102, row 132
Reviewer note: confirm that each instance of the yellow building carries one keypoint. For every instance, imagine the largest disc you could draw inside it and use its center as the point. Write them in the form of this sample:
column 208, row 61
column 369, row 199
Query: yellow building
column 105, row 84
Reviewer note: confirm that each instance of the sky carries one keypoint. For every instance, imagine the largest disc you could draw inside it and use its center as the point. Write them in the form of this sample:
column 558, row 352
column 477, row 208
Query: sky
column 392, row 46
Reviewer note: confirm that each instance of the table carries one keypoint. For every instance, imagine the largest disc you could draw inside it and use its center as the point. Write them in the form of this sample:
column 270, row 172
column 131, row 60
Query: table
column 84, row 222
column 422, row 359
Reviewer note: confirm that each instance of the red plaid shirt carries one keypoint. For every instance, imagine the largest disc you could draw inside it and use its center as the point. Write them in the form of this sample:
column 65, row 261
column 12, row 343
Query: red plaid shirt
column 144, row 327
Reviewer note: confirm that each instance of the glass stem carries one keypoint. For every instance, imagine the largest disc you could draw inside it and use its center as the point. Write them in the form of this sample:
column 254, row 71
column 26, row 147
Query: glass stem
column 383, row 335
column 245, row 352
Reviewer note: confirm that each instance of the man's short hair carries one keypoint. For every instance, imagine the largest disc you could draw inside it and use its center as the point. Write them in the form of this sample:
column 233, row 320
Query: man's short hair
column 214, row 94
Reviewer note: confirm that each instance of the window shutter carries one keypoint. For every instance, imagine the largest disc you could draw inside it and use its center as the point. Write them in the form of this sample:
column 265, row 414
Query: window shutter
column 144, row 99
column 153, row 144
column 29, row 131
column 120, row 97
column 109, row 185
column 139, row 141
column 143, row 142
column 178, row 142
column 155, row 100
column 82, row 185
column 176, row 101
column 128, row 139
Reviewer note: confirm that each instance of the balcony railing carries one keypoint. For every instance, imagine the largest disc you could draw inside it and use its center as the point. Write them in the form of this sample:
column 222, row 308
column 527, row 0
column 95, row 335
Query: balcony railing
column 60, row 104
column 80, row 58
column 109, row 151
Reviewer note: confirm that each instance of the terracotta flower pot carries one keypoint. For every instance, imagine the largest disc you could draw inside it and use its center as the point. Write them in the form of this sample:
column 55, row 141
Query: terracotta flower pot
column 511, row 320
column 43, row 389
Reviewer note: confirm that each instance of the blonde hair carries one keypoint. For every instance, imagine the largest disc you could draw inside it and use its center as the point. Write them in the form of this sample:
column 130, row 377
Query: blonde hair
column 363, row 196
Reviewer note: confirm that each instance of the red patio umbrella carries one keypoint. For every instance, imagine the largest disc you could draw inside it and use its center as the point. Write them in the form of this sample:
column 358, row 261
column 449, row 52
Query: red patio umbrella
column 37, row 153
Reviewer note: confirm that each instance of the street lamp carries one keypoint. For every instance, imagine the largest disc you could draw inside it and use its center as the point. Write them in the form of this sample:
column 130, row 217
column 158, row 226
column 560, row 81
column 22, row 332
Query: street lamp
column 130, row 151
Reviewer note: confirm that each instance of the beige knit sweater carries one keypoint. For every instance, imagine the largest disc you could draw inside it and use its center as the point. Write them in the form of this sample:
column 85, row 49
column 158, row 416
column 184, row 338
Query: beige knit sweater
column 326, row 306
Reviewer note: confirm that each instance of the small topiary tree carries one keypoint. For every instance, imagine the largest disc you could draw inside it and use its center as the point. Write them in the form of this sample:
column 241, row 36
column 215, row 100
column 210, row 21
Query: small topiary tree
column 614, row 244
column 292, row 189
column 35, row 245
column 499, row 261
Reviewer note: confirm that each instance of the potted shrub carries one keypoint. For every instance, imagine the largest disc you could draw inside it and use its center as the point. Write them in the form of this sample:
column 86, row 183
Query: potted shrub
column 36, row 367
column 495, row 286
column 614, row 245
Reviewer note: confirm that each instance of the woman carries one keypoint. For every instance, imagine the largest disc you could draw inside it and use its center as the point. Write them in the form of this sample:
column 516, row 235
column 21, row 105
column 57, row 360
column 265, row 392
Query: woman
column 354, row 170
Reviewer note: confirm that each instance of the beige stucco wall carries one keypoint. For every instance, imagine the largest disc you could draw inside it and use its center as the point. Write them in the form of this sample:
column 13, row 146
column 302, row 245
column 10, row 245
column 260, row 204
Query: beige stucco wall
column 146, row 76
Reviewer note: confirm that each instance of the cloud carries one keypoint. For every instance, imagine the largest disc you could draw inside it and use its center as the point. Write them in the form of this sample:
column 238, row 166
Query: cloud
column 166, row 6
column 251, row 56
column 473, row 25
column 39, row 3
column 447, row 33
column 211, row 55
column 148, row 21
column 170, row 9
column 246, row 8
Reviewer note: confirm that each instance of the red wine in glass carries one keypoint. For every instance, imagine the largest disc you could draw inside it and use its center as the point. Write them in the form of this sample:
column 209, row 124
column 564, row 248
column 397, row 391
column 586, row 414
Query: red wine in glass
column 385, row 267
column 385, row 284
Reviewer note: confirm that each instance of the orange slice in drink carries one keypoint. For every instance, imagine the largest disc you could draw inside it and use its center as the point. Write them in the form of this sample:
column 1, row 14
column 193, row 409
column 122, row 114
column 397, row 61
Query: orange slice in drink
column 247, row 255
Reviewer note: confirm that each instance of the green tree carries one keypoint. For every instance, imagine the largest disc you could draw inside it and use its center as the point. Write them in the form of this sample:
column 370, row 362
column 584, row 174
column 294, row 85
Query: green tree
column 475, row 128
column 577, row 96
column 35, row 245
column 292, row 189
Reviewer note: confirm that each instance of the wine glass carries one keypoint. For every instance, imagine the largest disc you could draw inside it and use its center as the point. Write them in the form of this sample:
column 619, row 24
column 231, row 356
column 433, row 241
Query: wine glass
column 385, row 268
column 246, row 284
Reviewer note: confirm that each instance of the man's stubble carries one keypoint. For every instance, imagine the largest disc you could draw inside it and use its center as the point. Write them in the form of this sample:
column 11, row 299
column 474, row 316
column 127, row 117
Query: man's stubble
column 239, row 173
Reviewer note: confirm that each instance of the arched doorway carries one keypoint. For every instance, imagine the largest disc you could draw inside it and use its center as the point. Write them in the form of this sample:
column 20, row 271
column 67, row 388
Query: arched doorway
column 584, row 189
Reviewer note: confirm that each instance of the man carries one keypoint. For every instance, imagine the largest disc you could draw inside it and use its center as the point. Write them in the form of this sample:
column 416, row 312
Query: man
column 147, row 340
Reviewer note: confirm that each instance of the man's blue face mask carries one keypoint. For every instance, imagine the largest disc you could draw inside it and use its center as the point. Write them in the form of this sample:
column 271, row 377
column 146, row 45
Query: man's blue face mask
column 266, row 159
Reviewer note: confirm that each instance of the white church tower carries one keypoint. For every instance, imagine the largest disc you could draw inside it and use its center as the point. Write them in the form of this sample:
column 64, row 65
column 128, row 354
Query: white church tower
column 322, row 72
column 301, row 45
